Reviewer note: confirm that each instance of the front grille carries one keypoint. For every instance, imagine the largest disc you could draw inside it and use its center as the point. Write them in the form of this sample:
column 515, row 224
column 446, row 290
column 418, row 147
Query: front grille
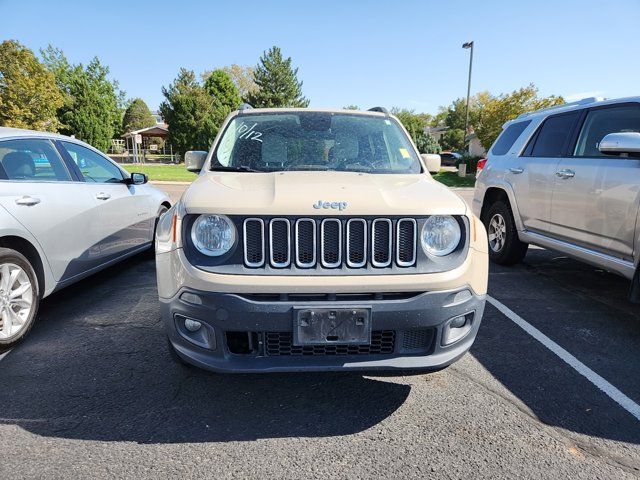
column 330, row 243
column 281, row 344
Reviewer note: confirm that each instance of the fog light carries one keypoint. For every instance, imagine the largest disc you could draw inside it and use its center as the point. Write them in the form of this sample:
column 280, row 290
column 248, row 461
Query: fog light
column 456, row 328
column 192, row 325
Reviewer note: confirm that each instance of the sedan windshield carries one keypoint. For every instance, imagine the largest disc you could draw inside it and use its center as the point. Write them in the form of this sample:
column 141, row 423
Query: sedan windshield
column 270, row 142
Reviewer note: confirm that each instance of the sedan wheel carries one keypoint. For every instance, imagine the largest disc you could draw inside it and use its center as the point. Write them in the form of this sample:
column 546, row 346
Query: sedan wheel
column 16, row 300
column 497, row 232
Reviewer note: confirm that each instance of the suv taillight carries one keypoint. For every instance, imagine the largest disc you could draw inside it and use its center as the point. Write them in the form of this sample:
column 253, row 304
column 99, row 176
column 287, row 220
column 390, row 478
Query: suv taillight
column 481, row 163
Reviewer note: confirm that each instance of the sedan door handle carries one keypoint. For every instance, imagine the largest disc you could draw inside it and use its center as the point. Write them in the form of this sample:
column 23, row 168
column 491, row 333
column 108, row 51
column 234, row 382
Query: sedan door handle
column 516, row 170
column 27, row 201
column 103, row 196
column 566, row 173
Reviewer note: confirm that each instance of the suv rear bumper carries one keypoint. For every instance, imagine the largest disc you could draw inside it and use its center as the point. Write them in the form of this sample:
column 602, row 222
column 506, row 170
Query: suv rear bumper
column 417, row 320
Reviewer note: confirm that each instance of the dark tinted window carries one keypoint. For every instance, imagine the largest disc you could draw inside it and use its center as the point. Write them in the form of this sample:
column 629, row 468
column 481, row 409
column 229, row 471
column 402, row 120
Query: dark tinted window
column 508, row 137
column 604, row 121
column 554, row 135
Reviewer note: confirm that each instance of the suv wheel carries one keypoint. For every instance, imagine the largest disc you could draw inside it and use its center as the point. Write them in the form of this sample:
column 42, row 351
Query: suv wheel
column 19, row 297
column 505, row 248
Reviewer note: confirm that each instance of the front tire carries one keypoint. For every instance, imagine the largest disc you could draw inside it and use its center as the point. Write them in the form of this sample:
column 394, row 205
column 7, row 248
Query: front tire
column 505, row 248
column 19, row 297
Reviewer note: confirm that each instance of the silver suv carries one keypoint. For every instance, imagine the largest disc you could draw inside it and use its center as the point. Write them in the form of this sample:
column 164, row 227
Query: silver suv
column 566, row 178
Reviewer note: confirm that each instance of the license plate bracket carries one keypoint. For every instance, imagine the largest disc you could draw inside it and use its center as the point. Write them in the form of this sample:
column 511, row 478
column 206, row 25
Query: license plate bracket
column 332, row 326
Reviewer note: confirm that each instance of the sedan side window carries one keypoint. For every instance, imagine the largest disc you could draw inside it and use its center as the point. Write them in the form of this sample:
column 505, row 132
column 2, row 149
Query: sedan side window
column 31, row 160
column 94, row 167
column 603, row 121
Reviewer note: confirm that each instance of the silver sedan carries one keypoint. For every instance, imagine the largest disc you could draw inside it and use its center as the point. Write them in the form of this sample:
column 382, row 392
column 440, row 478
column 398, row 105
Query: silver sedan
column 66, row 211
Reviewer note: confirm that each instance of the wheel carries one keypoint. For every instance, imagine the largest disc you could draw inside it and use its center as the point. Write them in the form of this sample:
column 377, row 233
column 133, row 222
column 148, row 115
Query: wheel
column 505, row 248
column 19, row 297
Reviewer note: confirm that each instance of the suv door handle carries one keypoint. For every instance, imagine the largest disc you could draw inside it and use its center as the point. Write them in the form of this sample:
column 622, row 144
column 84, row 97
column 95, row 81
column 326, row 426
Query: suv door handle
column 27, row 201
column 566, row 173
column 516, row 170
column 103, row 196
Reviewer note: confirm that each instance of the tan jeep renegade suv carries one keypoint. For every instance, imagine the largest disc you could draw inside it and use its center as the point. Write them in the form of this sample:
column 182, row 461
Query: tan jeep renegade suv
column 317, row 240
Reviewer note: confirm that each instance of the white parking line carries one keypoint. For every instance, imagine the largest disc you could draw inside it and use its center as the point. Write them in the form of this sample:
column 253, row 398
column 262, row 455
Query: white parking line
column 612, row 392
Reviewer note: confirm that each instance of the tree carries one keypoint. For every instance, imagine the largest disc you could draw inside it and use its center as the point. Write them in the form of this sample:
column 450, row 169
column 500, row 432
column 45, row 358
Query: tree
column 498, row 110
column 427, row 143
column 188, row 111
column 93, row 104
column 452, row 140
column 224, row 93
column 415, row 123
column 137, row 116
column 29, row 96
column 277, row 82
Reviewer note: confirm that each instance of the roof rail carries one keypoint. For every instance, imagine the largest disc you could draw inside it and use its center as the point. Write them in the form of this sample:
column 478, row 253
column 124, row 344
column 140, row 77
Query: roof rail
column 584, row 101
column 244, row 106
column 379, row 109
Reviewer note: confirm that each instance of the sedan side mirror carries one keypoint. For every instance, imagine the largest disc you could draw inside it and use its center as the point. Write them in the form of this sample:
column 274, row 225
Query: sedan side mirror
column 138, row 179
column 432, row 161
column 194, row 160
column 621, row 142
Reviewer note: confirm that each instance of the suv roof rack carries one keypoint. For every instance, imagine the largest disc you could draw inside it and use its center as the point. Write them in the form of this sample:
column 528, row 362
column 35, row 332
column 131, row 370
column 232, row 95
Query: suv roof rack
column 379, row 109
column 584, row 101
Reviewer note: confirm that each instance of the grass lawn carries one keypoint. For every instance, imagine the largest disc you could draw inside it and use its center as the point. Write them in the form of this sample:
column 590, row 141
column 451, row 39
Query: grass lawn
column 451, row 179
column 168, row 173
column 178, row 173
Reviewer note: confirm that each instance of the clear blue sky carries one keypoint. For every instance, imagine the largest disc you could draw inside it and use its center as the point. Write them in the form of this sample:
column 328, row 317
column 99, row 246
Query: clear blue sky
column 390, row 53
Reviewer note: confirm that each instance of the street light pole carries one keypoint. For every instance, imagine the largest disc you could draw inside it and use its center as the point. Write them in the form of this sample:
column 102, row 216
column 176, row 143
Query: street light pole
column 468, row 45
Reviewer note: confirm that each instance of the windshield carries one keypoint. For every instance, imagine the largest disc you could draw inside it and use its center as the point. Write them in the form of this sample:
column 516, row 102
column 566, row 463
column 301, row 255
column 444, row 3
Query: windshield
column 270, row 142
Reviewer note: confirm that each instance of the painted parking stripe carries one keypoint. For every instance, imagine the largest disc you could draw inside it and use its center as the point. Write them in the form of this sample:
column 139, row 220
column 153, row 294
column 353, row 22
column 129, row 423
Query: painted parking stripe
column 611, row 391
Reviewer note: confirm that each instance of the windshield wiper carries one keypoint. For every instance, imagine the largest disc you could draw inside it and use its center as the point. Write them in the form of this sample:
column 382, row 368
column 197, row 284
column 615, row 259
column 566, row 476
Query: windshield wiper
column 238, row 168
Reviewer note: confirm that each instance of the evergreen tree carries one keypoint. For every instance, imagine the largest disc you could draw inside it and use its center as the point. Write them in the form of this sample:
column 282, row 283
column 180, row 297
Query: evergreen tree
column 427, row 143
column 277, row 82
column 137, row 116
column 224, row 93
column 188, row 111
column 29, row 96
column 92, row 109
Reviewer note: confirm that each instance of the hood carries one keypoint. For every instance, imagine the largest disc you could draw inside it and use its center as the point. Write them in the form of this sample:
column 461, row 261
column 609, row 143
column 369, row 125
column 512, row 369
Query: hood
column 320, row 193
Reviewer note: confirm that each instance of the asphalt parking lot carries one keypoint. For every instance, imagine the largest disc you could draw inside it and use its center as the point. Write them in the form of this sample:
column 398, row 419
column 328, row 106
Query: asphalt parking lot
column 94, row 392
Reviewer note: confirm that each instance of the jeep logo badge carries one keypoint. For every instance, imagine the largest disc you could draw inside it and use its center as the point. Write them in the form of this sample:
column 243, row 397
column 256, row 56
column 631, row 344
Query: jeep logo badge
column 334, row 205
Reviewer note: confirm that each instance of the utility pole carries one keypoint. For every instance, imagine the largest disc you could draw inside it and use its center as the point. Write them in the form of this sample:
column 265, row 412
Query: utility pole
column 468, row 45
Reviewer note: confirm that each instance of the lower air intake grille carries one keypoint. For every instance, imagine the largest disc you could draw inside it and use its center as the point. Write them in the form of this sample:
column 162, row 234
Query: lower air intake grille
column 281, row 344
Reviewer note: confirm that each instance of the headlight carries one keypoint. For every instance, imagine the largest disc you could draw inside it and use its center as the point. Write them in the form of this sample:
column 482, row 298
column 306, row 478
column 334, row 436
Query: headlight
column 213, row 235
column 440, row 235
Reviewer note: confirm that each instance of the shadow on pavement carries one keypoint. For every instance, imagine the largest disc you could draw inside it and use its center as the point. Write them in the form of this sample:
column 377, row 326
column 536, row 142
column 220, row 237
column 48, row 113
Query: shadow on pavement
column 584, row 310
column 97, row 366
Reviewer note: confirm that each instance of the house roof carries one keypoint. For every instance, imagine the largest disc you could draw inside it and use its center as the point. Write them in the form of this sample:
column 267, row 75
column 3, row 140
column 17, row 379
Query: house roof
column 154, row 131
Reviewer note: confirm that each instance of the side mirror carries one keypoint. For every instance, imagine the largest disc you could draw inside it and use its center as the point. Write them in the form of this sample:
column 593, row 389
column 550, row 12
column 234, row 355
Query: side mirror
column 138, row 179
column 194, row 160
column 432, row 161
column 621, row 142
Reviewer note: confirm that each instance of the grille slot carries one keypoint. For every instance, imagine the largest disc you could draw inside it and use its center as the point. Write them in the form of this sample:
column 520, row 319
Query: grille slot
column 281, row 344
column 381, row 242
column 305, row 243
column 279, row 242
column 356, row 242
column 406, row 242
column 331, row 243
column 254, row 242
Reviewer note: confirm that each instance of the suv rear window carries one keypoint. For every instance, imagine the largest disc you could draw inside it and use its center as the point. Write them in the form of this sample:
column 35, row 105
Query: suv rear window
column 508, row 137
